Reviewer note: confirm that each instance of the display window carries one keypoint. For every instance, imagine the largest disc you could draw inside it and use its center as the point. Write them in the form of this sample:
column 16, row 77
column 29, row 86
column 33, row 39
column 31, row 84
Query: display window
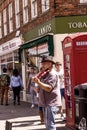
column 33, row 58
column 10, row 61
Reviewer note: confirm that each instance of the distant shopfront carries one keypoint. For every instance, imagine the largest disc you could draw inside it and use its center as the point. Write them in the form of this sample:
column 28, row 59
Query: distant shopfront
column 9, row 55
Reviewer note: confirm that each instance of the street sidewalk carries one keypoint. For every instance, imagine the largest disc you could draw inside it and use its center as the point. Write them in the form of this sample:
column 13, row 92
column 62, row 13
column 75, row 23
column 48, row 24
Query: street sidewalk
column 23, row 117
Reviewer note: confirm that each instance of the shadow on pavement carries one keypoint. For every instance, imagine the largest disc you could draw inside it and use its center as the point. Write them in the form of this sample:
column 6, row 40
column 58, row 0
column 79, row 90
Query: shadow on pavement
column 24, row 117
column 17, row 111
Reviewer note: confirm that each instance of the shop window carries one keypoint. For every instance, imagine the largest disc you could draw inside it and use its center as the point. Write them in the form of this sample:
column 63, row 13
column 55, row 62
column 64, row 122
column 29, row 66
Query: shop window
column 34, row 54
column 16, row 56
column 10, row 68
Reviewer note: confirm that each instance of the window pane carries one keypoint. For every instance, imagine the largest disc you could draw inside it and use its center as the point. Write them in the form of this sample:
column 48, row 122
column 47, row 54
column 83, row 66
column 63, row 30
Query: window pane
column 25, row 2
column 5, row 22
column 45, row 5
column 0, row 20
column 17, row 13
column 34, row 8
column 10, row 18
column 16, row 6
column 25, row 11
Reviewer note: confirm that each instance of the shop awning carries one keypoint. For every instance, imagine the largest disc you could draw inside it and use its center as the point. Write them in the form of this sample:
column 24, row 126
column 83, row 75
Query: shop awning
column 39, row 41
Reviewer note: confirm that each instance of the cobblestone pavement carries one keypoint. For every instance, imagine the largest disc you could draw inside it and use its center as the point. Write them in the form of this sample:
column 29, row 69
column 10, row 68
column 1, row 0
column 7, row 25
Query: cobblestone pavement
column 23, row 117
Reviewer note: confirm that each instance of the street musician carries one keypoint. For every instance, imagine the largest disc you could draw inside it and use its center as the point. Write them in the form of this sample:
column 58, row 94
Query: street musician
column 48, row 91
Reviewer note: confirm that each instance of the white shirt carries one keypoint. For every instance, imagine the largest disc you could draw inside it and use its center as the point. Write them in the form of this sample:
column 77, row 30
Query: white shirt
column 61, row 78
column 59, row 94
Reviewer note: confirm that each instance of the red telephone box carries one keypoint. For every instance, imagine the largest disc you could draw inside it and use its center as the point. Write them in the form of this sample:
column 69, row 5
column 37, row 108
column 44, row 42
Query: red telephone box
column 75, row 70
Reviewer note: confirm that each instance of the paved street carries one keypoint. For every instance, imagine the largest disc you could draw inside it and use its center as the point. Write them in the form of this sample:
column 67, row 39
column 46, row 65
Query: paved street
column 23, row 117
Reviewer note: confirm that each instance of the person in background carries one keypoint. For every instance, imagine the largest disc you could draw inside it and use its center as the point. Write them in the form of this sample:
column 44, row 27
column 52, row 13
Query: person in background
column 60, row 73
column 48, row 95
column 16, row 85
column 4, row 85
column 41, row 109
column 30, row 87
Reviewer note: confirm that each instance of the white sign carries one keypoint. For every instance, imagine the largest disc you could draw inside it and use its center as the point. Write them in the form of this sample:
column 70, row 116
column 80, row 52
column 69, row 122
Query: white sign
column 10, row 46
column 67, row 45
column 81, row 43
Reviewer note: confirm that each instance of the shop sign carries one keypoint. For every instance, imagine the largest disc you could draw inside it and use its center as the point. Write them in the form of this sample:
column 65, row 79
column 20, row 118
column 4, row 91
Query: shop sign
column 10, row 45
column 45, row 29
column 81, row 43
column 77, row 25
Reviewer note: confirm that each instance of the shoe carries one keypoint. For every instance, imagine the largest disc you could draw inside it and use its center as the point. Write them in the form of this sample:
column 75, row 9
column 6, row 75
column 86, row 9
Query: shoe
column 6, row 104
column 18, row 103
column 14, row 103
column 32, row 106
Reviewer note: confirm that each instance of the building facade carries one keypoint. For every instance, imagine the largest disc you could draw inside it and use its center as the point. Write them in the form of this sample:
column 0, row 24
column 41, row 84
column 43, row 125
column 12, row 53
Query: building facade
column 37, row 28
column 30, row 29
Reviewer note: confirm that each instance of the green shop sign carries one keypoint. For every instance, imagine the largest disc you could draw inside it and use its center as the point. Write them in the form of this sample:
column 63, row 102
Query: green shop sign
column 71, row 24
column 58, row 25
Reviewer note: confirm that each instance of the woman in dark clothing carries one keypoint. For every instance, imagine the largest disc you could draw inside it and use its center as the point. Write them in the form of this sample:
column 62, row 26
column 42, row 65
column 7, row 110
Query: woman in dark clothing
column 16, row 85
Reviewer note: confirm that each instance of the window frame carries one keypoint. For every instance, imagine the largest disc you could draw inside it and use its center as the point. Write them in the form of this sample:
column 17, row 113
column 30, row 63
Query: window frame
column 5, row 21
column 45, row 5
column 10, row 17
column 17, row 13
column 25, row 11
column 34, row 12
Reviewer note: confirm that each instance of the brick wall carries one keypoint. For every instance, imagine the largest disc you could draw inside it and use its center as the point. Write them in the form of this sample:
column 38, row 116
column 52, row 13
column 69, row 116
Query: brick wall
column 70, row 7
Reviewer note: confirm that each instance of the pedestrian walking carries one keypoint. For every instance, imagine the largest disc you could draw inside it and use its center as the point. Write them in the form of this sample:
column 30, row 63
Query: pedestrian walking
column 4, row 86
column 60, row 73
column 30, row 87
column 40, row 108
column 48, row 95
column 16, row 85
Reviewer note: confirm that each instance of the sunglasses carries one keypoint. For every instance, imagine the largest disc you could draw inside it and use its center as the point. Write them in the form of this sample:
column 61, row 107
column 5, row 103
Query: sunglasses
column 57, row 65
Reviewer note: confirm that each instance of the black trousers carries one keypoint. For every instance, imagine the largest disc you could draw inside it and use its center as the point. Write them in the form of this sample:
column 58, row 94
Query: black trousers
column 16, row 94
